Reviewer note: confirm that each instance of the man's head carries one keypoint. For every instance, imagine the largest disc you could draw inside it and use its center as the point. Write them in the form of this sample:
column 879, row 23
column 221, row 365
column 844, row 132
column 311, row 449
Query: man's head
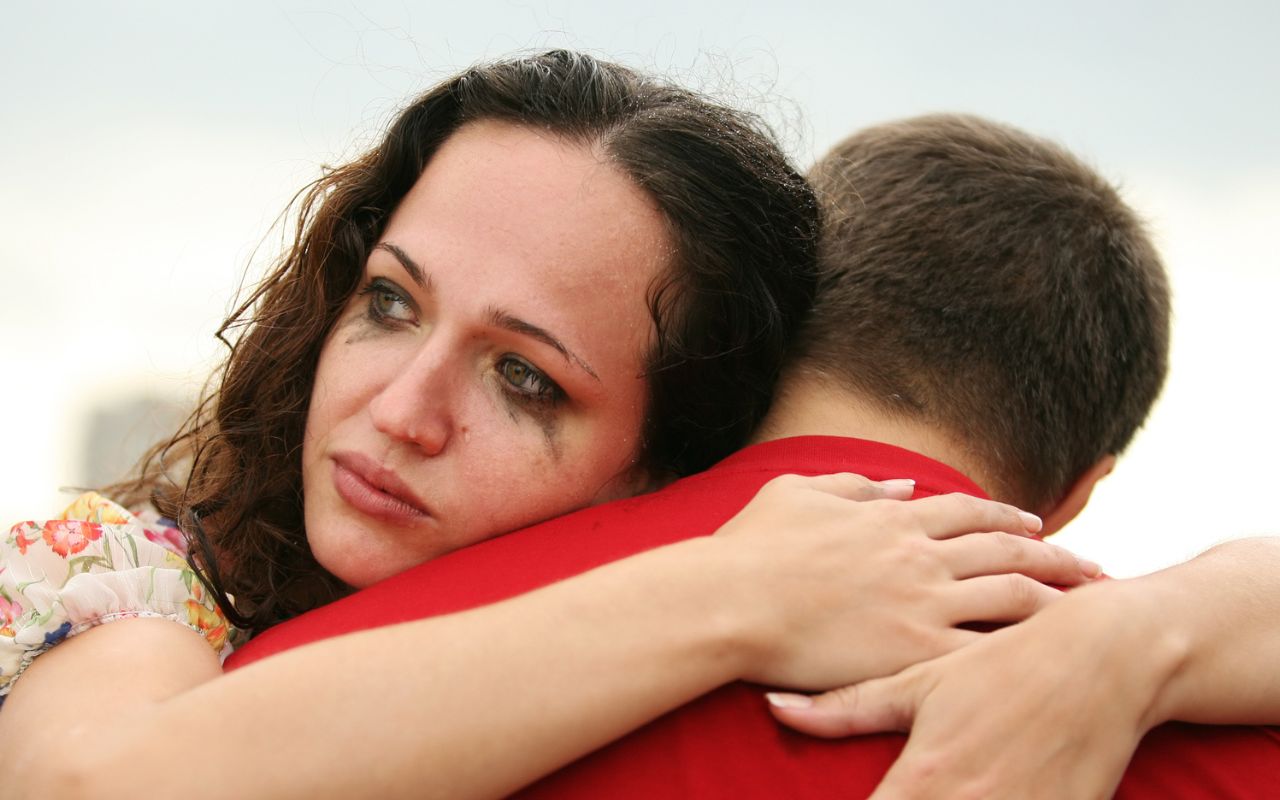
column 984, row 282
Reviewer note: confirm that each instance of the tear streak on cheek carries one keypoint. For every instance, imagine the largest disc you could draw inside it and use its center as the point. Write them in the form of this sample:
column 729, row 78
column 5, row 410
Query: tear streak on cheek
column 551, row 436
column 544, row 418
column 361, row 332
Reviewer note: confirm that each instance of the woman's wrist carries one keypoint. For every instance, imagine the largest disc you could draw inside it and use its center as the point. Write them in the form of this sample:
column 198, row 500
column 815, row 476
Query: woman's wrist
column 1220, row 610
column 722, row 587
column 1140, row 639
column 740, row 610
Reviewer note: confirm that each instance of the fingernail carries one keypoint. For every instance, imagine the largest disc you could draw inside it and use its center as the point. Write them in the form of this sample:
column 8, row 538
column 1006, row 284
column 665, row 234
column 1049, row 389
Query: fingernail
column 1031, row 521
column 786, row 700
column 899, row 487
column 1089, row 568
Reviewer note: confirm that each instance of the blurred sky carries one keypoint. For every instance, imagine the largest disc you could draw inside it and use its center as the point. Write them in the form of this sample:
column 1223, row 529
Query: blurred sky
column 146, row 149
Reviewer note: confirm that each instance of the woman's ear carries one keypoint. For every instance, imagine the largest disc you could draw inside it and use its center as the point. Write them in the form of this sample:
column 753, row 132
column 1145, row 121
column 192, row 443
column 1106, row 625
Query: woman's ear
column 635, row 480
column 1073, row 502
column 651, row 480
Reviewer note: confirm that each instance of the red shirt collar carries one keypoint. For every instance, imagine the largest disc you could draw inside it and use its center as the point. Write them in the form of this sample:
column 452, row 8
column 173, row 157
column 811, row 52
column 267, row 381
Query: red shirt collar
column 812, row 455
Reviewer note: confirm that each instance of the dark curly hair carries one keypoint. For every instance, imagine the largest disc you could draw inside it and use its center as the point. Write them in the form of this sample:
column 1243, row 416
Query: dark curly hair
column 744, row 224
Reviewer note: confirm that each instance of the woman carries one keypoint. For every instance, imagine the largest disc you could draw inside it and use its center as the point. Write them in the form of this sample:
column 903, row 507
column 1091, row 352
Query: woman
column 553, row 283
column 731, row 230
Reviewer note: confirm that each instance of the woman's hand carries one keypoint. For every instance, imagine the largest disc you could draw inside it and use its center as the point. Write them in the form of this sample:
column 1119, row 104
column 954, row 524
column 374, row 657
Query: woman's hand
column 841, row 591
column 1053, row 707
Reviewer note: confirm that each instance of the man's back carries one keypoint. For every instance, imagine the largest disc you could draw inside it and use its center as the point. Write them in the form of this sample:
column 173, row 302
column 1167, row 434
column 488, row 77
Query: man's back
column 726, row 744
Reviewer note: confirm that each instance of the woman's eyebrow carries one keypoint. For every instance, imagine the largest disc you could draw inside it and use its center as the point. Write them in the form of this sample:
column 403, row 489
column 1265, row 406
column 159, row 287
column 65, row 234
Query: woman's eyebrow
column 497, row 317
column 501, row 319
column 416, row 272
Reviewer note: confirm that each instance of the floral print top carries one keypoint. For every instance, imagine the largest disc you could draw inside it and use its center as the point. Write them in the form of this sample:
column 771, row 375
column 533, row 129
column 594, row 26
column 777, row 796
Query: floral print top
column 96, row 563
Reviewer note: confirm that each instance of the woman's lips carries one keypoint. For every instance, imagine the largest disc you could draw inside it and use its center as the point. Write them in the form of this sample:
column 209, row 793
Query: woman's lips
column 373, row 490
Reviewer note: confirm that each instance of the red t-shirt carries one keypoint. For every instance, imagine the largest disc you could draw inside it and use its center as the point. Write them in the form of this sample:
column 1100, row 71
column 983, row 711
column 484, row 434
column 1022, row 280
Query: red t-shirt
column 726, row 744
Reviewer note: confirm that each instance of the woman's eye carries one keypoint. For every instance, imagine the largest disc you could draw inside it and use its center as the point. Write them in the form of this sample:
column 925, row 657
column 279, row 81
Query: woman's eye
column 386, row 303
column 528, row 380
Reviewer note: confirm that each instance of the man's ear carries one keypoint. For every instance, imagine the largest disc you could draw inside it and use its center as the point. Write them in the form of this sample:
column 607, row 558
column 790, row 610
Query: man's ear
column 1073, row 502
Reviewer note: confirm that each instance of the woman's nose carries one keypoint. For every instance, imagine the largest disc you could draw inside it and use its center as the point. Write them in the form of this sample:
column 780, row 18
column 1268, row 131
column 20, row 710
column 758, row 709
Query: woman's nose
column 416, row 404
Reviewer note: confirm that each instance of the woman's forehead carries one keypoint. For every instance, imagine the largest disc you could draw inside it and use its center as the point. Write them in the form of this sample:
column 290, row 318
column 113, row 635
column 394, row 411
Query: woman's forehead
column 537, row 227
column 500, row 191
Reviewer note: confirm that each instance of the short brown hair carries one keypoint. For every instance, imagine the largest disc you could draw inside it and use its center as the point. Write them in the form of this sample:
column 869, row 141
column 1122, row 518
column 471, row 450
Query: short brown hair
column 985, row 281
column 744, row 228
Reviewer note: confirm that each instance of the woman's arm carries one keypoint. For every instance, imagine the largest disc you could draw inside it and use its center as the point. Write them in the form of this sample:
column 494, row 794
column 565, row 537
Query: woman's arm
column 479, row 703
column 1226, row 603
column 1059, row 703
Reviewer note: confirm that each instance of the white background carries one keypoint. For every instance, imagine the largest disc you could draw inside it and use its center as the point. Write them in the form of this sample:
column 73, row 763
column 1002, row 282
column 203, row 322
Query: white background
column 146, row 149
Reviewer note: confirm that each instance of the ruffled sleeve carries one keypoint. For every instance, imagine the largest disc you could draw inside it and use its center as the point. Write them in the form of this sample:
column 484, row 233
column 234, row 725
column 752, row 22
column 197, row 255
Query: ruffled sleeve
column 94, row 564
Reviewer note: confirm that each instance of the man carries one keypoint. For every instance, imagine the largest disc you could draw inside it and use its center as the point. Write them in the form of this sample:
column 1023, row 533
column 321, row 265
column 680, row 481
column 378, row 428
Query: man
column 992, row 319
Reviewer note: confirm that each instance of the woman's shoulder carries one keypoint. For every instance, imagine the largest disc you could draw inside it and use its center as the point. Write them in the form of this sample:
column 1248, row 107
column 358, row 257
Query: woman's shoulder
column 95, row 563
column 84, row 522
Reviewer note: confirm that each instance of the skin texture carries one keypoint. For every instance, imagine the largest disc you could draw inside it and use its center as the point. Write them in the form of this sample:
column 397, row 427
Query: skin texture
column 1068, row 719
column 477, row 704
column 1018, row 714
column 498, row 339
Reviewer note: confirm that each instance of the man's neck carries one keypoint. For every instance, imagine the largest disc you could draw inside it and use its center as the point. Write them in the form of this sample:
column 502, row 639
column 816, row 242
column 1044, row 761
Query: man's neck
column 810, row 405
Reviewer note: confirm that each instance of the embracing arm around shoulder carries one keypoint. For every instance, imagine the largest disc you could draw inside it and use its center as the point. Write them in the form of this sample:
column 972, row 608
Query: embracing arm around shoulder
column 479, row 703
column 1060, row 702
column 1225, row 608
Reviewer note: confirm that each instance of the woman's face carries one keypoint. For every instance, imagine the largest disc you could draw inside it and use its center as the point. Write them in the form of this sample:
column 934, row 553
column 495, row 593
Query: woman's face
column 487, row 374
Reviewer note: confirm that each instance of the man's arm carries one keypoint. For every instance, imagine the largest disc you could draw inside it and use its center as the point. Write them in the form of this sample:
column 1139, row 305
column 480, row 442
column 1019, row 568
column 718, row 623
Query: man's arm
column 1059, row 703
